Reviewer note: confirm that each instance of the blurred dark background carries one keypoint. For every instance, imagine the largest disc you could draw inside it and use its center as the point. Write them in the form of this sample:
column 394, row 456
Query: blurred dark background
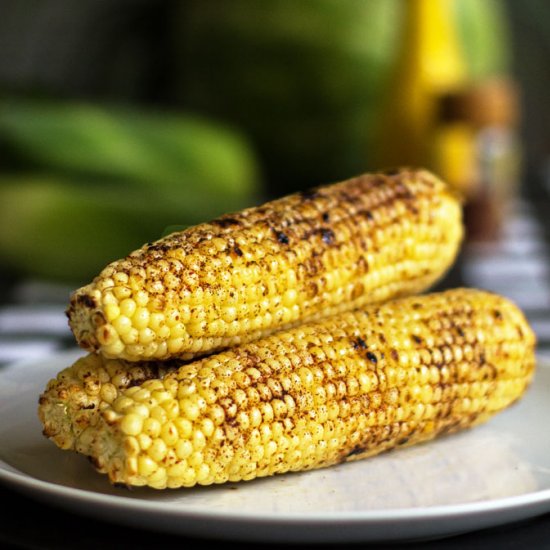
column 122, row 119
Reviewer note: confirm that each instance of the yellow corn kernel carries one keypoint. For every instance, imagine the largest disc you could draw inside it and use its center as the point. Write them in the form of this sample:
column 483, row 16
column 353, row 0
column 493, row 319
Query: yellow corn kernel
column 131, row 424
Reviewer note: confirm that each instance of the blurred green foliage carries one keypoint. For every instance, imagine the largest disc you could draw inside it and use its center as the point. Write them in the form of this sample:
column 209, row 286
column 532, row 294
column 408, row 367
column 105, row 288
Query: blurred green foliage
column 302, row 78
column 486, row 37
column 171, row 151
column 90, row 183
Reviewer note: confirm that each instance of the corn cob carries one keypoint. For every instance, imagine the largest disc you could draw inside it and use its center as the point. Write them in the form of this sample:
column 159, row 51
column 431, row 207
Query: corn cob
column 340, row 389
column 245, row 275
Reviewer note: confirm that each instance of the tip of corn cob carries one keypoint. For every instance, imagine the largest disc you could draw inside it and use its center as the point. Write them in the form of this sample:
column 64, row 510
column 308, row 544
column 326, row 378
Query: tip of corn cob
column 248, row 274
column 70, row 405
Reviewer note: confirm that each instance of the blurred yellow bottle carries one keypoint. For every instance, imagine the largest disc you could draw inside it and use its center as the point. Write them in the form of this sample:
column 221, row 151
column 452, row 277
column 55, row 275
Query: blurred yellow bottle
column 430, row 65
column 452, row 149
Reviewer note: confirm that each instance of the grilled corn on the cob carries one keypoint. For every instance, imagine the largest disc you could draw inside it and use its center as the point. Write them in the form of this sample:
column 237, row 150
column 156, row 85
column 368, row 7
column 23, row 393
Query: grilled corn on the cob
column 335, row 390
column 267, row 268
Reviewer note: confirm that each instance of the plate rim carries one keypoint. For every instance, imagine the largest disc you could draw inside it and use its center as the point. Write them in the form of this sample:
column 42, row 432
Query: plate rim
column 375, row 526
column 525, row 499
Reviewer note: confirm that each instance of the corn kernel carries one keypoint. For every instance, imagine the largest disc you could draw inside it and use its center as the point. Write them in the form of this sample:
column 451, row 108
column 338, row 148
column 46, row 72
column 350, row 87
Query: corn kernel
column 127, row 308
column 140, row 318
column 121, row 292
column 144, row 441
column 159, row 414
column 112, row 311
column 139, row 409
column 157, row 479
column 131, row 424
column 169, row 434
column 146, row 466
column 157, row 451
column 189, row 408
column 152, row 427
column 122, row 403
column 131, row 446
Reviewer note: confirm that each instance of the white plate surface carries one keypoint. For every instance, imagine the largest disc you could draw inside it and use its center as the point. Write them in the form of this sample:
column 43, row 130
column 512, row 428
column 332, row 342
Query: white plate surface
column 488, row 476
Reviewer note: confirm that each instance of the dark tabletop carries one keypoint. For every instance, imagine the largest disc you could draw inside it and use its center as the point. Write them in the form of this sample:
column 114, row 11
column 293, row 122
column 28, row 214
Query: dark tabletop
column 27, row 524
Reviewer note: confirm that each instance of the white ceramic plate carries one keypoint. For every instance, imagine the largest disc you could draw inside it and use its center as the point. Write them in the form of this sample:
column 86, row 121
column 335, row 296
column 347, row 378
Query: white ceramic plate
column 488, row 476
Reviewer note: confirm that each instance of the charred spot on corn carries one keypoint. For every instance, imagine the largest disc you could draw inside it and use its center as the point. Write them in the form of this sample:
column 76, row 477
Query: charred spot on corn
column 372, row 357
column 281, row 237
column 310, row 194
column 368, row 214
column 359, row 343
column 226, row 221
column 86, row 300
column 327, row 235
column 359, row 450
column 391, row 171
